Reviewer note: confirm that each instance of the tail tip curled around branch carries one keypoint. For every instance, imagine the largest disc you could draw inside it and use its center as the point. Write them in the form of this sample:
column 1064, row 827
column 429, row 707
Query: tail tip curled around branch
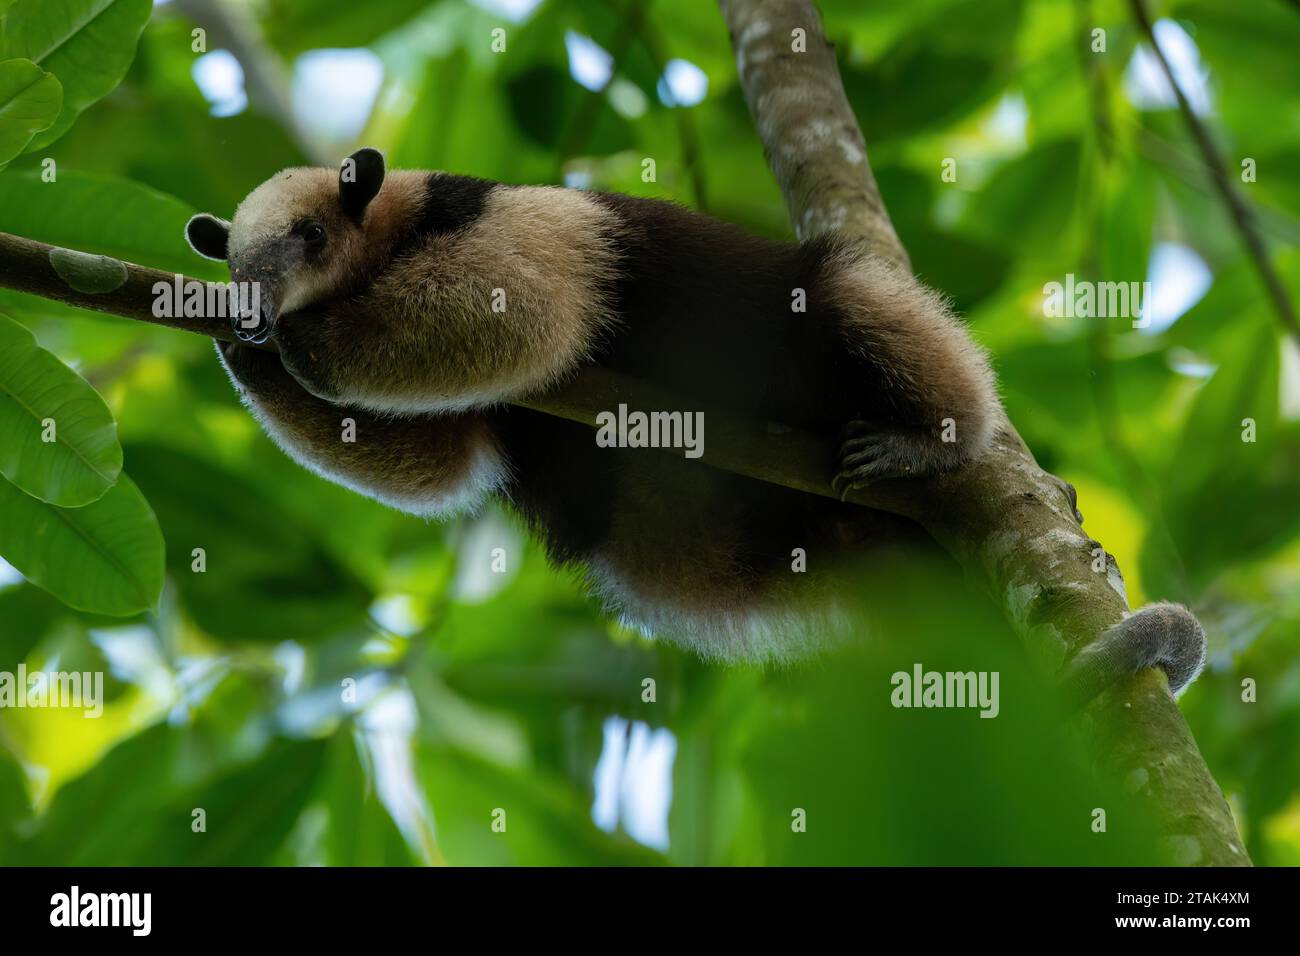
column 1163, row 635
column 1183, row 653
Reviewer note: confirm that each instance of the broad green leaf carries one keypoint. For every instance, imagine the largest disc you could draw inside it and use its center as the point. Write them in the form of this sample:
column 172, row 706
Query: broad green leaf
column 297, row 25
column 135, row 807
column 30, row 100
column 1025, row 202
column 967, row 43
column 1127, row 226
column 540, row 95
column 1234, row 292
column 1049, row 383
column 27, row 614
column 1231, row 485
column 896, row 114
column 266, row 577
column 105, row 557
column 87, row 44
column 361, row 831
column 42, row 398
column 158, row 130
column 102, row 214
column 1244, row 386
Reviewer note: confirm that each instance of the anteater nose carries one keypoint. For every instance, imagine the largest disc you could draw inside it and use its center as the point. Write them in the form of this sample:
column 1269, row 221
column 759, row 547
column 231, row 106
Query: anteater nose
column 253, row 328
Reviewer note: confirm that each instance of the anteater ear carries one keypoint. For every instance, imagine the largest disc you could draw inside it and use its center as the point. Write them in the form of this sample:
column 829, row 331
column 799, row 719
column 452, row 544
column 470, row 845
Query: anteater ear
column 208, row 236
column 360, row 177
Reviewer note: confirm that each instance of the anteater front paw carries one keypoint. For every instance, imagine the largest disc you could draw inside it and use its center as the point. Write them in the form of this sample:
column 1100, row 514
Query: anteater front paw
column 302, row 351
column 251, row 368
column 872, row 452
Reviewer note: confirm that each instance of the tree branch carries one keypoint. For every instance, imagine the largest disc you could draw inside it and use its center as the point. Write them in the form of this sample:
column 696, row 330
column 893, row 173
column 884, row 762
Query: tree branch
column 120, row 288
column 1012, row 524
column 1002, row 516
column 766, row 451
column 810, row 136
column 1243, row 216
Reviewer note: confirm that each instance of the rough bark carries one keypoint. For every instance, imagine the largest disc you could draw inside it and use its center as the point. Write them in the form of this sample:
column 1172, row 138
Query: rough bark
column 810, row 136
column 1241, row 212
column 1001, row 516
column 1010, row 523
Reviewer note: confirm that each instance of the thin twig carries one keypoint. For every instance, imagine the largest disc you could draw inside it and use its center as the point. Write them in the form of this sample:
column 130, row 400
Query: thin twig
column 1243, row 216
column 1102, row 381
column 769, row 452
column 1274, row 222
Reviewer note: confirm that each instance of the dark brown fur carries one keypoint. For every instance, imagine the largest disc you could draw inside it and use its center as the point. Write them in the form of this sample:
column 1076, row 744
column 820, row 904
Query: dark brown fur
column 405, row 341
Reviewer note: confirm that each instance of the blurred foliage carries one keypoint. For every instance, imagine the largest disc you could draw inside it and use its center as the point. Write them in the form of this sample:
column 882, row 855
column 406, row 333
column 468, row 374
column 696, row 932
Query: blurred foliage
column 342, row 684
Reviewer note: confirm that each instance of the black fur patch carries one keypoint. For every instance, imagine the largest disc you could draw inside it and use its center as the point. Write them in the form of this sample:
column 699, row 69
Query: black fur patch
column 451, row 203
column 706, row 313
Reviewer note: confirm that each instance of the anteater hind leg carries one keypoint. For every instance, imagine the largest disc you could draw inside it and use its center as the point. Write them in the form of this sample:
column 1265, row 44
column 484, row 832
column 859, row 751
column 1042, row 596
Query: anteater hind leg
column 931, row 388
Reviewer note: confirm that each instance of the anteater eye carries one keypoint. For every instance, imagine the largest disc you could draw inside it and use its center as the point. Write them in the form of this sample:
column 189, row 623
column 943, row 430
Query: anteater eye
column 313, row 233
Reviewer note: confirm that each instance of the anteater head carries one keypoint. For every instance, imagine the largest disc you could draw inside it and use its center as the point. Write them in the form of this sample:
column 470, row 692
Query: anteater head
column 299, row 236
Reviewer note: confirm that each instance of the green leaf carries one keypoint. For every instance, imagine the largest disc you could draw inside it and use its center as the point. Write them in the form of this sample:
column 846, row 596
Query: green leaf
column 266, row 577
column 905, row 104
column 103, row 214
column 84, row 459
column 546, row 822
column 970, row 44
column 1245, row 386
column 106, row 557
column 30, row 100
column 15, row 808
column 1049, row 386
column 249, row 812
column 470, row 125
column 87, row 44
column 1026, row 200
column 361, row 832
column 1128, row 224
column 135, row 807
column 27, row 614
column 294, row 26
column 1217, row 463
